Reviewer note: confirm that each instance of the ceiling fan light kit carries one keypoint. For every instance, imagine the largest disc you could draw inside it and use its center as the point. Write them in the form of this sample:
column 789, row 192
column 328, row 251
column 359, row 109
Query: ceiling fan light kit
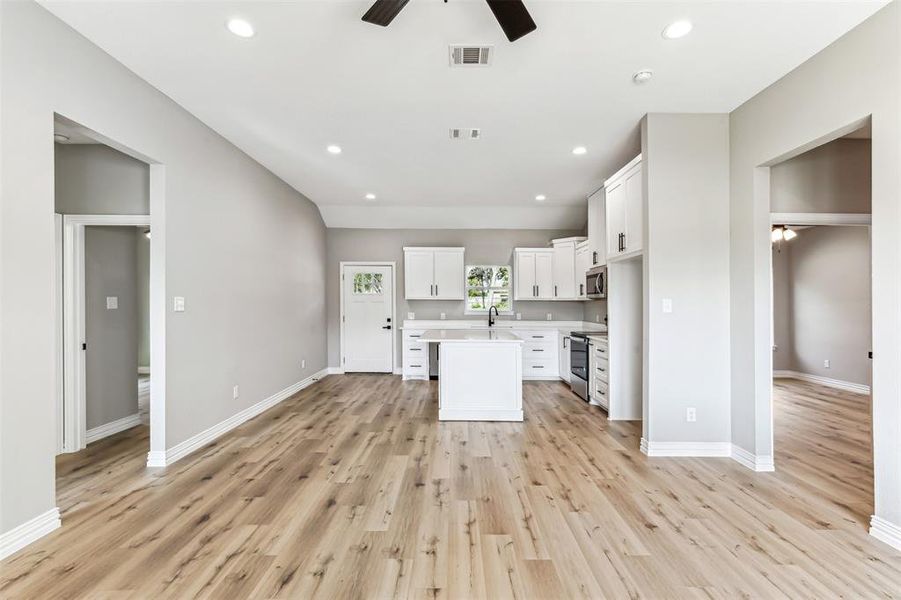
column 511, row 15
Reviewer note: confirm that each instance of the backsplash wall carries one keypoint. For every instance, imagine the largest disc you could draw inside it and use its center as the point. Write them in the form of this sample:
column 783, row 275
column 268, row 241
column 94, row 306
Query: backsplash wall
column 485, row 246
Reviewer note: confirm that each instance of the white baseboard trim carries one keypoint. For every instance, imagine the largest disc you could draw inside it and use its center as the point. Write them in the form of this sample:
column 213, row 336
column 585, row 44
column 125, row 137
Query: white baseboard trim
column 882, row 530
column 143, row 370
column 112, row 428
column 760, row 464
column 179, row 451
column 334, row 371
column 686, row 449
column 835, row 383
column 30, row 531
column 399, row 371
column 464, row 414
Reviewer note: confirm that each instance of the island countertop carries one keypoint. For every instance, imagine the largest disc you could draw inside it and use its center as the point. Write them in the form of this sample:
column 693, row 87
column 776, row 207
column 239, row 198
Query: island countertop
column 469, row 335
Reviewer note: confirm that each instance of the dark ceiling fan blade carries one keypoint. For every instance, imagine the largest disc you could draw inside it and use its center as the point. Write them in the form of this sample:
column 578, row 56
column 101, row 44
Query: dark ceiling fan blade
column 384, row 11
column 515, row 20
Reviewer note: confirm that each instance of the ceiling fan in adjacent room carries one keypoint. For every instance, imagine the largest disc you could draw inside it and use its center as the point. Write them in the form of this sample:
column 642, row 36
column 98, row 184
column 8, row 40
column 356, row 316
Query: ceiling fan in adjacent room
column 512, row 15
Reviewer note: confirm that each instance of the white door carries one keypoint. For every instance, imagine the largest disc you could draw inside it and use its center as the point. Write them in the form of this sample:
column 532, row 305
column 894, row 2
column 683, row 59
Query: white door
column 565, row 270
column 419, row 274
column 616, row 217
column 449, row 274
column 368, row 330
column 633, row 210
column 544, row 274
column 525, row 275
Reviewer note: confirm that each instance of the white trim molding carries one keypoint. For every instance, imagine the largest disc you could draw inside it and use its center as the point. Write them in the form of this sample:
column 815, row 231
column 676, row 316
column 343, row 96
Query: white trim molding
column 686, row 449
column 884, row 531
column 335, row 371
column 760, row 464
column 112, row 428
column 179, row 451
column 836, row 219
column 848, row 386
column 30, row 531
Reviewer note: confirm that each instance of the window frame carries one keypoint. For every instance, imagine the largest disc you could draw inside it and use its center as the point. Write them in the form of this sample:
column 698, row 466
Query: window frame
column 466, row 287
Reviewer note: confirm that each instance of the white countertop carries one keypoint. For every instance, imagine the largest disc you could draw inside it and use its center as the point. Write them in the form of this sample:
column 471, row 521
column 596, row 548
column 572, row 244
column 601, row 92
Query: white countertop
column 563, row 326
column 468, row 335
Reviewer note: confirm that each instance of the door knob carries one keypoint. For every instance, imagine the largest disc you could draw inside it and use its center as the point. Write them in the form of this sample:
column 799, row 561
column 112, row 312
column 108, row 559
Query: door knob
column 387, row 327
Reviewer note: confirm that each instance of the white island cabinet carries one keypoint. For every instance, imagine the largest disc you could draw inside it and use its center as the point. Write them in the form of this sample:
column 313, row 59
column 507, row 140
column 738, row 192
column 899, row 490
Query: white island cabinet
column 479, row 374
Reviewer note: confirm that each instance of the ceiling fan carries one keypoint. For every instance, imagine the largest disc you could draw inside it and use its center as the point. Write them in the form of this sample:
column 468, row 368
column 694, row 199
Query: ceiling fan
column 512, row 15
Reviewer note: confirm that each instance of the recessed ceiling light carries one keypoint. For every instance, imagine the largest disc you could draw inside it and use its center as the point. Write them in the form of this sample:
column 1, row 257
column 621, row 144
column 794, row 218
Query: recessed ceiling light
column 370, row 196
column 642, row 76
column 541, row 197
column 580, row 150
column 333, row 149
column 240, row 28
column 677, row 29
column 58, row 137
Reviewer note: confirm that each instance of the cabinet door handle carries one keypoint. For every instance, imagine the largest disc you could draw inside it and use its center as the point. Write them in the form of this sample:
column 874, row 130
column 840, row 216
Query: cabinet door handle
column 555, row 291
column 594, row 257
column 537, row 366
column 537, row 350
column 436, row 289
column 581, row 289
column 565, row 339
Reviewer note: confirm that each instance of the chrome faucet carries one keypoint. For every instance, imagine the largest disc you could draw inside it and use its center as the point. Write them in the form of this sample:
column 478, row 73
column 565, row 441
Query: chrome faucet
column 490, row 318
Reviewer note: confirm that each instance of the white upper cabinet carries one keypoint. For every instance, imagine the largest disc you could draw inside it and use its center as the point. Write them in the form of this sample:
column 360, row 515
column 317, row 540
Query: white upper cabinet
column 624, row 210
column 533, row 273
column 547, row 273
column 564, row 270
column 597, row 229
column 449, row 274
column 583, row 263
column 433, row 273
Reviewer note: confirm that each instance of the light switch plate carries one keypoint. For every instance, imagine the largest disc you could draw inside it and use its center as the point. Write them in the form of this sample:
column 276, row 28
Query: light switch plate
column 178, row 304
column 443, row 316
column 550, row 317
column 235, row 392
column 411, row 316
column 667, row 305
column 112, row 302
column 519, row 316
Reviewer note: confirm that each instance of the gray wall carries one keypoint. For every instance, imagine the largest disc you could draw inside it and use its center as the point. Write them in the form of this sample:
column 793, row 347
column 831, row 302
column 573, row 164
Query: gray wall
column 827, row 284
column 686, row 259
column 111, row 363
column 245, row 249
column 93, row 179
column 491, row 246
column 782, row 310
column 142, row 262
column 832, row 178
column 856, row 76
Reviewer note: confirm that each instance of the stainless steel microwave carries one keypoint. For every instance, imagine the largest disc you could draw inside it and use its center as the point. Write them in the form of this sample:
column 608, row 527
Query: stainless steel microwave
column 596, row 283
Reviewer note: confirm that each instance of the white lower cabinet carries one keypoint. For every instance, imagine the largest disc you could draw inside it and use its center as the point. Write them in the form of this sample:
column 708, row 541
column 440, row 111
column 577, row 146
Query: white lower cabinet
column 540, row 354
column 416, row 355
column 599, row 373
column 563, row 361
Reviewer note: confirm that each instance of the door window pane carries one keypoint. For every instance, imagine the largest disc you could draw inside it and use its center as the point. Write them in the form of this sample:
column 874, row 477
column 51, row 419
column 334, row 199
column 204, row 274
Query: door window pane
column 367, row 283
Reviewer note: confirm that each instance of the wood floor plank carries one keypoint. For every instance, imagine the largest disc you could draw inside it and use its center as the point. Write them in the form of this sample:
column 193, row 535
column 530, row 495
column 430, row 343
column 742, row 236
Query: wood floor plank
column 353, row 489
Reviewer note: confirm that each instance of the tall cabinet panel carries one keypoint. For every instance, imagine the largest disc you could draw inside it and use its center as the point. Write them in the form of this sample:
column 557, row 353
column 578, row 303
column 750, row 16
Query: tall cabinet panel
column 418, row 271
column 625, row 212
column 597, row 229
column 544, row 275
column 564, row 270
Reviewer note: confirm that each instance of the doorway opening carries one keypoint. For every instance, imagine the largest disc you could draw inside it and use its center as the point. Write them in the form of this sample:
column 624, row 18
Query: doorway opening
column 368, row 317
column 822, row 325
column 110, row 304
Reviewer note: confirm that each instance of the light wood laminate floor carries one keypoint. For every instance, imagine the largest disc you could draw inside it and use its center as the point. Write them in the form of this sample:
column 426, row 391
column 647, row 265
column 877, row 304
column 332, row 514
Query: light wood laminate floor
column 352, row 489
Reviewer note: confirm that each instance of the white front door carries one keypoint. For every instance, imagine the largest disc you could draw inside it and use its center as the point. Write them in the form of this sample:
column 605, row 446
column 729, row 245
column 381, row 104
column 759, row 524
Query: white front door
column 368, row 331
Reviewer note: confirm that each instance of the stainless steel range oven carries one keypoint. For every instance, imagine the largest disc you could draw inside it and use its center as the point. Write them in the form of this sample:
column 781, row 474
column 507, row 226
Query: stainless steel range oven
column 578, row 364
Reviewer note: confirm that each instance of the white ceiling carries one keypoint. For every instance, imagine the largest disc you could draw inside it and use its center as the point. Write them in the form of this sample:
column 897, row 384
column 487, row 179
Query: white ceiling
column 315, row 75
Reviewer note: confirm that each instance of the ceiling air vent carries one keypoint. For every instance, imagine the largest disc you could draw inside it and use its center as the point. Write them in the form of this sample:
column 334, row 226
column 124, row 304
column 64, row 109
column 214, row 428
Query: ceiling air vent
column 458, row 133
column 471, row 56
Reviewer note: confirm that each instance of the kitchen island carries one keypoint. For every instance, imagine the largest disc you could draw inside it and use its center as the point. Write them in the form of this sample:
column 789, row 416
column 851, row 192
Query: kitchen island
column 479, row 374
